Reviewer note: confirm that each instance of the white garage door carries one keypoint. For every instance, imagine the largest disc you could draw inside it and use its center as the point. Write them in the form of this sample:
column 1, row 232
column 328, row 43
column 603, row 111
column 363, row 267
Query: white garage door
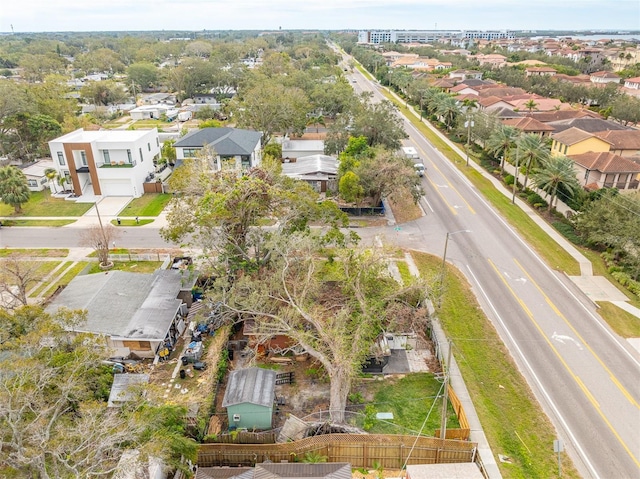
column 116, row 188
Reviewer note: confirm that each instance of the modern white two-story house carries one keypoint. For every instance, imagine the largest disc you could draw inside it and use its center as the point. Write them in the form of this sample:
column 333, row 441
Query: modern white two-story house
column 106, row 163
column 233, row 148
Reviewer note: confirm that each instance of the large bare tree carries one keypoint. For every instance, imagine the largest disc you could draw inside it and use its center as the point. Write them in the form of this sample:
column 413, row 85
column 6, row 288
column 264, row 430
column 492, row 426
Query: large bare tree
column 332, row 308
column 17, row 275
column 99, row 237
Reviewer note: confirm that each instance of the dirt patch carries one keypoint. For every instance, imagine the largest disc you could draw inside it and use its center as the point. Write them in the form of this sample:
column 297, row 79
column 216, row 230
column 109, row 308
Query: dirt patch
column 404, row 209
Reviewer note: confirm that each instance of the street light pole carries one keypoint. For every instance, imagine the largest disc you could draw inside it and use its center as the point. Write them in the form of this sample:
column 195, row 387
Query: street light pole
column 515, row 178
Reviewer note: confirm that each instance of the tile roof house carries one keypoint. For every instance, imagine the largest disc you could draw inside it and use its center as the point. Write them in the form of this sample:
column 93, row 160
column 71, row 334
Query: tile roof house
column 502, row 112
column 541, row 104
column 540, row 71
column 234, row 148
column 587, row 124
column 463, row 75
column 249, row 398
column 549, row 116
column 529, row 125
column 575, row 142
column 632, row 83
column 623, row 142
column 597, row 170
column 602, row 78
column 493, row 101
column 133, row 311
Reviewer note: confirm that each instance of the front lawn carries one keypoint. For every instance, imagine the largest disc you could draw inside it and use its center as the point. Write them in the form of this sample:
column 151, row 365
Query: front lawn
column 130, row 222
column 149, row 204
column 130, row 266
column 43, row 205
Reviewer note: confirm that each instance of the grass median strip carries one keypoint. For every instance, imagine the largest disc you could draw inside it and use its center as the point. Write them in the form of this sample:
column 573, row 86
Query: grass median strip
column 45, row 284
column 42, row 223
column 512, row 419
column 66, row 278
column 35, row 253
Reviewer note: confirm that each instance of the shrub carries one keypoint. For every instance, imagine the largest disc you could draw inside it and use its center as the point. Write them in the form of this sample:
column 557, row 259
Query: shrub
column 509, row 179
column 533, row 198
column 568, row 232
column 356, row 398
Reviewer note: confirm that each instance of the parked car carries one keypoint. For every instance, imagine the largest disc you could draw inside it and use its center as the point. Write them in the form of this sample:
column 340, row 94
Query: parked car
column 420, row 169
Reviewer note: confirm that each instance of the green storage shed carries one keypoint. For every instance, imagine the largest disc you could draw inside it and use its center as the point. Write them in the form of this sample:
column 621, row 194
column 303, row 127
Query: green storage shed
column 249, row 398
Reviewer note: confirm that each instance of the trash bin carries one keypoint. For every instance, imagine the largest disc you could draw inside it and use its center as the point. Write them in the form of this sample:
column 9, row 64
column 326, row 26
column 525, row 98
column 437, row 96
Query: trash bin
column 183, row 374
column 185, row 360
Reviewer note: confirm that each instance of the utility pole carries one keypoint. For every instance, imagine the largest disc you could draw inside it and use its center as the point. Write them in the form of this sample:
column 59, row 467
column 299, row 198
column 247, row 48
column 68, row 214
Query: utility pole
column 515, row 178
column 447, row 366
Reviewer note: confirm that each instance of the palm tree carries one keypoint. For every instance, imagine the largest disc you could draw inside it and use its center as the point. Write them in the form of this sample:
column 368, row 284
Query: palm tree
column 530, row 105
column 533, row 149
column 556, row 172
column 51, row 174
column 317, row 121
column 448, row 110
column 14, row 189
column 501, row 141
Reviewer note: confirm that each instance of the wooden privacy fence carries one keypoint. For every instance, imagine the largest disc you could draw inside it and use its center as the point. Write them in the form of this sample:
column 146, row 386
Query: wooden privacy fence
column 360, row 450
column 155, row 187
column 464, row 431
column 243, row 437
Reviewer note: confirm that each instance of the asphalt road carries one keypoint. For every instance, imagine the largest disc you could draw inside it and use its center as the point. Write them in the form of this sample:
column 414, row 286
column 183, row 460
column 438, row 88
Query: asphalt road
column 586, row 378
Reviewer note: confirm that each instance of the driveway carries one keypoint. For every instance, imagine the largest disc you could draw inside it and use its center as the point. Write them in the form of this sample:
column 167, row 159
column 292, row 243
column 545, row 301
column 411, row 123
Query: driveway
column 110, row 206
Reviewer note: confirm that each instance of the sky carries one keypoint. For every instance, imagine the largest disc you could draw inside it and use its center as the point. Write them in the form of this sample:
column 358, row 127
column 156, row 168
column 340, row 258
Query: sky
column 194, row 15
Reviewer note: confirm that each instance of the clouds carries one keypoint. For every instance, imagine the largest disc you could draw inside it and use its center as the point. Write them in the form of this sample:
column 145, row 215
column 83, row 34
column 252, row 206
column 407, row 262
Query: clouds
column 83, row 15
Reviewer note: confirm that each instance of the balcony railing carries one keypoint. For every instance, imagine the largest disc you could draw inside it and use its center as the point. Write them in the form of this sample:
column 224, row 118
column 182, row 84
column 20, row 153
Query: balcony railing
column 120, row 164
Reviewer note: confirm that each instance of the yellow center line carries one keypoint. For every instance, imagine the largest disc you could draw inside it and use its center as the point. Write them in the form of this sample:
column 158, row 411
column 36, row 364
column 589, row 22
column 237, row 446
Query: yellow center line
column 566, row 366
column 445, row 179
column 593, row 353
column 437, row 190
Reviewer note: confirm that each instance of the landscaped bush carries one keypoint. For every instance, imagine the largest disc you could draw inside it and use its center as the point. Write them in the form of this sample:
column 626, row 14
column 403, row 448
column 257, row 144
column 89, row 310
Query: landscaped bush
column 568, row 232
column 533, row 198
column 508, row 180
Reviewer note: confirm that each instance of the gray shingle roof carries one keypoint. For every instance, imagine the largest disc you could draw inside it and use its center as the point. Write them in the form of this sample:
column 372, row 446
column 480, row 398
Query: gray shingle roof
column 251, row 385
column 124, row 305
column 225, row 141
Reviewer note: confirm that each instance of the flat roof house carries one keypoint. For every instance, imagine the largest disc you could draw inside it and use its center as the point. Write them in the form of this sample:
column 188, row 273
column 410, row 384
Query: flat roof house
column 106, row 163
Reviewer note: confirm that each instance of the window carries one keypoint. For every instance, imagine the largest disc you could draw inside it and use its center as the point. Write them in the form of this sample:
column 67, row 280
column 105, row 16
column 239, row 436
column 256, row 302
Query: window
column 83, row 158
column 107, row 158
column 31, row 182
column 141, row 157
column 189, row 152
column 129, row 156
column 149, row 146
column 61, row 161
column 566, row 147
column 157, row 142
column 246, row 162
column 44, row 180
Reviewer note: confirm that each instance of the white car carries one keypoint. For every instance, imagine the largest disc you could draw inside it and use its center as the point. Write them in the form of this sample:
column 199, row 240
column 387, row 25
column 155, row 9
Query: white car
column 353, row 80
column 420, row 169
